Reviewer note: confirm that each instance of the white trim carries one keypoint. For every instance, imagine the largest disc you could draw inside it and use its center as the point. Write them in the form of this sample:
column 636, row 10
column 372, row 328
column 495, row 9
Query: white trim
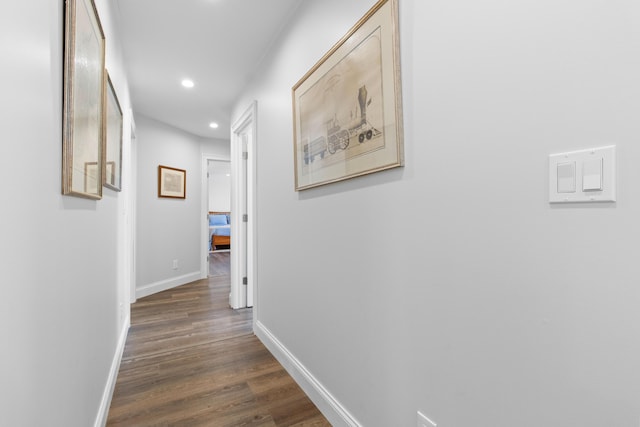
column 335, row 413
column 204, row 203
column 131, row 203
column 107, row 394
column 252, row 233
column 237, row 298
column 163, row 285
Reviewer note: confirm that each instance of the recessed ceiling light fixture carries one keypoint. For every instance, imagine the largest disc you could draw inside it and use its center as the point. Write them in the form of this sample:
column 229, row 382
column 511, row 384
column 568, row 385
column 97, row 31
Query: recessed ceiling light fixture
column 188, row 83
column 213, row 125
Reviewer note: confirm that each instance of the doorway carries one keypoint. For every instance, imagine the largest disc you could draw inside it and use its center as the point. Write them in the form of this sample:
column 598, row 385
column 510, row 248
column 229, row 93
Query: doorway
column 243, row 211
column 220, row 166
column 219, row 206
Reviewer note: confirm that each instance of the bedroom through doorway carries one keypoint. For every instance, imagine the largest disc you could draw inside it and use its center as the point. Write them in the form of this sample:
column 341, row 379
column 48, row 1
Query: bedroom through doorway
column 219, row 215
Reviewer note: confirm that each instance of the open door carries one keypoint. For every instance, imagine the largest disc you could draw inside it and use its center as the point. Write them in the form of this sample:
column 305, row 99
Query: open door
column 243, row 221
column 246, row 137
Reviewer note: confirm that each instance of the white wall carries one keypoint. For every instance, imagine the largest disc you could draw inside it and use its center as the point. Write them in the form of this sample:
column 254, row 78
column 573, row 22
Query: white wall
column 169, row 229
column 62, row 258
column 219, row 186
column 451, row 286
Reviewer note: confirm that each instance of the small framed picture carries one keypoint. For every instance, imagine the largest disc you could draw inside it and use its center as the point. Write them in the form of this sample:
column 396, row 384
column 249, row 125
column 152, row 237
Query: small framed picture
column 112, row 176
column 172, row 182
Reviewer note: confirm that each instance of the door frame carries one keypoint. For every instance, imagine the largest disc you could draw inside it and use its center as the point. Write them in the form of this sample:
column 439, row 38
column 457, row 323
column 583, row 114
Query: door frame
column 237, row 297
column 131, row 206
column 204, row 198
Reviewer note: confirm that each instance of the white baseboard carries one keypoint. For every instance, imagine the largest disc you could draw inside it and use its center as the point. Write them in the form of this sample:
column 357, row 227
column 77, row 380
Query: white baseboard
column 163, row 285
column 107, row 394
column 335, row 413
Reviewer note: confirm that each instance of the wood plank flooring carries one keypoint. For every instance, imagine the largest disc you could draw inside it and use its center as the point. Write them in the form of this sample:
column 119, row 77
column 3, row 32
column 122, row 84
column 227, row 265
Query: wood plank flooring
column 190, row 360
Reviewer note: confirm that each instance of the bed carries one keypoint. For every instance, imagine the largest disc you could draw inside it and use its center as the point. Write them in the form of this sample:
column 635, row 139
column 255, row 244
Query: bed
column 219, row 230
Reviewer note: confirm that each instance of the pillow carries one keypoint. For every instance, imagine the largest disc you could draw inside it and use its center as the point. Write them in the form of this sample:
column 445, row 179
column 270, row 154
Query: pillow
column 217, row 220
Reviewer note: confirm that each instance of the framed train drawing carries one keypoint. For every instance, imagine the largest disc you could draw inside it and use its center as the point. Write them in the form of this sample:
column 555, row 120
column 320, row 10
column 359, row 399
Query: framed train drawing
column 347, row 109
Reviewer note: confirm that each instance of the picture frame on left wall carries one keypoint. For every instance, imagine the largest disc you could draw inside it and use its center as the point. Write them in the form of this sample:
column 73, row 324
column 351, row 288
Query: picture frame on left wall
column 84, row 101
column 112, row 175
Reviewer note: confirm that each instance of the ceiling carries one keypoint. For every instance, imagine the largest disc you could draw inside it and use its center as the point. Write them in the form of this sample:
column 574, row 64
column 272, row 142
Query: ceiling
column 216, row 43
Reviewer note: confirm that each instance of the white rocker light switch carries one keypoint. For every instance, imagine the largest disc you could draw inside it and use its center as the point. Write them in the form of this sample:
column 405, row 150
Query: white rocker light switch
column 592, row 175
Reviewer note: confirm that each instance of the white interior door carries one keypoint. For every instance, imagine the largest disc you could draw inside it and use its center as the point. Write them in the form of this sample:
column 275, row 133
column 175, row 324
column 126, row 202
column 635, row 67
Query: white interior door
column 240, row 244
column 246, row 145
column 243, row 225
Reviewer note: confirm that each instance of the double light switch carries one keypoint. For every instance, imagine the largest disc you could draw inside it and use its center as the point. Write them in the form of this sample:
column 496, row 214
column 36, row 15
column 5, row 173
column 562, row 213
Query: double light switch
column 583, row 176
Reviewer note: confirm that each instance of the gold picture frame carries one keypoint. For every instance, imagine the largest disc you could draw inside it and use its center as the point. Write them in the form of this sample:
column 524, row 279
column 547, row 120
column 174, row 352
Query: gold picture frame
column 84, row 94
column 172, row 182
column 347, row 109
column 112, row 175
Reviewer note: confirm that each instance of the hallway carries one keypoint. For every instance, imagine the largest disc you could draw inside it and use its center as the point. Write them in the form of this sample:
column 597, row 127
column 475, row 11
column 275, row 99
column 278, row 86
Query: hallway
column 190, row 360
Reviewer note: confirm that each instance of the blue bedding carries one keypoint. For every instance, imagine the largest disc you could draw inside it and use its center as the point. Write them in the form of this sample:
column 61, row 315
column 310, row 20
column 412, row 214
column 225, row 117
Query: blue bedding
column 218, row 219
column 218, row 226
column 220, row 230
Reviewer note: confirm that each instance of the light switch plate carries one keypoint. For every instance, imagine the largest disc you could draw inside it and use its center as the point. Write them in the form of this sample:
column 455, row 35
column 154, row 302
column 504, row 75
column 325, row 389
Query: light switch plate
column 587, row 186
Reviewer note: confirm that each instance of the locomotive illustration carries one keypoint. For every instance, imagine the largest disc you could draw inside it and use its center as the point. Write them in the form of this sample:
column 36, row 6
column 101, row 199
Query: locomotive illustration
column 337, row 136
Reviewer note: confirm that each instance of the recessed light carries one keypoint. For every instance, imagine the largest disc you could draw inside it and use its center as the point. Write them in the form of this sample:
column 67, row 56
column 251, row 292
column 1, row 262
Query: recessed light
column 188, row 83
column 213, row 125
column 228, row 174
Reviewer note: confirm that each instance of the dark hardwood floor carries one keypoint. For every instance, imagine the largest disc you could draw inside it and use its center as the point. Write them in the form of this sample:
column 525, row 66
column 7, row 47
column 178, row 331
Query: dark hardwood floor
column 190, row 360
column 219, row 263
